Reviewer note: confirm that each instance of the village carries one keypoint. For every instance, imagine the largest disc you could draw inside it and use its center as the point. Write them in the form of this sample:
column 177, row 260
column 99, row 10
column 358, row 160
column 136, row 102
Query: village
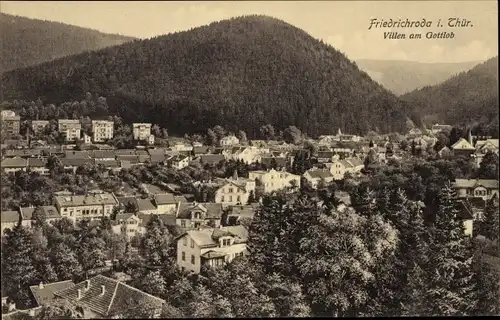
column 211, row 230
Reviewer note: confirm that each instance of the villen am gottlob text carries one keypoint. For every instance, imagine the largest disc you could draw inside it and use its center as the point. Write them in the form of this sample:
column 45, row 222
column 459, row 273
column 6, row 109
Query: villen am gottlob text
column 422, row 23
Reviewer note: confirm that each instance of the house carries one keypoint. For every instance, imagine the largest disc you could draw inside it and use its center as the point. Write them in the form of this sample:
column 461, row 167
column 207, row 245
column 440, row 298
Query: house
column 481, row 188
column 151, row 140
column 274, row 162
column 106, row 155
column 157, row 155
column 211, row 159
column 71, row 128
column 436, row 128
column 106, row 298
column 230, row 140
column 272, row 180
column 315, row 176
column 325, row 156
column 102, row 130
column 340, row 167
column 9, row 165
column 198, row 150
column 234, row 191
column 51, row 214
column 415, row 132
column 179, row 161
column 482, row 147
column 22, row 153
column 463, row 148
column 77, row 154
column 9, row 219
column 146, row 206
column 238, row 214
column 212, row 246
column 141, row 131
column 43, row 293
column 71, row 164
column 165, row 203
column 180, row 147
column 246, row 154
column 39, row 126
column 11, row 122
column 127, row 224
column 38, row 165
column 194, row 215
column 466, row 214
column 326, row 140
column 90, row 206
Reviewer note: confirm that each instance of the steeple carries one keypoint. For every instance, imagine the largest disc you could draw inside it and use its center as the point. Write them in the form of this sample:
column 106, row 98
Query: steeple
column 339, row 133
column 470, row 138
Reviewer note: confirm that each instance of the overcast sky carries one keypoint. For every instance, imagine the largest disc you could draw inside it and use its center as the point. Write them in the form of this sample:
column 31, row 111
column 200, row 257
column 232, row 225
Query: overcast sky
column 343, row 24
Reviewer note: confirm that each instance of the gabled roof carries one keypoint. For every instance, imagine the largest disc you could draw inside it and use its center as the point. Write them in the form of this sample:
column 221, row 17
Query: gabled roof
column 9, row 216
column 108, row 163
column 492, row 143
column 103, row 154
column 126, row 157
column 124, row 201
column 124, row 152
column 166, row 219
column 267, row 161
column 45, row 294
column 320, row 174
column 212, row 210
column 116, row 298
column 76, row 162
column 462, row 144
column 157, row 152
column 37, row 162
column 14, row 163
column 77, row 154
column 23, row 153
column 205, row 237
column 472, row 183
column 50, row 212
column 464, row 210
column 211, row 158
column 247, row 211
column 145, row 205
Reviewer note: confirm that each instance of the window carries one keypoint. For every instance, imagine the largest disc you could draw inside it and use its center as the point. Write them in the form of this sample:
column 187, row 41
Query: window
column 238, row 199
column 222, row 199
column 230, row 190
column 192, row 243
column 226, row 242
column 193, row 259
column 197, row 215
column 230, row 198
column 184, row 240
column 183, row 256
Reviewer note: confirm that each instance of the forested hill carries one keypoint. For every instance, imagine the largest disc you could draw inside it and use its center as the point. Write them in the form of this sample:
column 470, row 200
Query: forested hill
column 466, row 98
column 240, row 73
column 27, row 42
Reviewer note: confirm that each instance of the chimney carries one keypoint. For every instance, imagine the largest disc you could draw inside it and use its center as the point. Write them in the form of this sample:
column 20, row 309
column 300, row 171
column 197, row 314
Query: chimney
column 87, row 284
column 103, row 290
column 79, row 294
column 235, row 175
column 40, row 285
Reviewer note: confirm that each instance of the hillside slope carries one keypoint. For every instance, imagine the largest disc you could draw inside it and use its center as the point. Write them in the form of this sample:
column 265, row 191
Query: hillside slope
column 401, row 77
column 240, row 73
column 466, row 98
column 26, row 42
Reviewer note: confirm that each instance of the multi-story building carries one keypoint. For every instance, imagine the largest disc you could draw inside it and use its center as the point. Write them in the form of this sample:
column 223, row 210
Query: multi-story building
column 128, row 224
column 339, row 168
column 90, row 206
column 10, row 122
column 71, row 128
column 272, row 180
column 235, row 191
column 192, row 215
column 229, row 141
column 476, row 188
column 315, row 176
column 38, row 126
column 212, row 246
column 102, row 130
column 142, row 131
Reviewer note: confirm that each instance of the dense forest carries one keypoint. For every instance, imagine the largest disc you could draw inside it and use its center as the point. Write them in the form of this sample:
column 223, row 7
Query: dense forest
column 240, row 73
column 469, row 97
column 26, row 42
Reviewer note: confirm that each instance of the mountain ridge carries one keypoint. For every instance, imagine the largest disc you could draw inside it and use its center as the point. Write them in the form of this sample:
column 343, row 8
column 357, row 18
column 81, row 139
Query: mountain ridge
column 27, row 41
column 218, row 74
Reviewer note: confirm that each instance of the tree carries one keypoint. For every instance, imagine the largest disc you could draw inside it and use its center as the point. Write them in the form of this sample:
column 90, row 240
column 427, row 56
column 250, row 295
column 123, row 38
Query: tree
column 489, row 227
column 65, row 262
column 487, row 279
column 267, row 132
column 450, row 261
column 287, row 296
column 155, row 245
column 488, row 168
column 205, row 304
column 59, row 309
column 18, row 272
column 40, row 259
column 242, row 136
column 292, row 135
column 38, row 217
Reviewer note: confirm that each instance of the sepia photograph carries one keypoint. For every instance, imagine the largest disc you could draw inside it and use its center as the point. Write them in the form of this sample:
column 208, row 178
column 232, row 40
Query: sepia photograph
column 249, row 159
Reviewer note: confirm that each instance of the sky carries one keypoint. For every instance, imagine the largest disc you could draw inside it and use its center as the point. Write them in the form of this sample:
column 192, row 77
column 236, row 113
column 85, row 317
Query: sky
column 343, row 24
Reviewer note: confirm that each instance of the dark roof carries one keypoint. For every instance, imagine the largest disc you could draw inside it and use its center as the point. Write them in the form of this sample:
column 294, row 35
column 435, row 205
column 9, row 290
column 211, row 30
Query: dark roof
column 103, row 154
column 107, row 163
column 130, row 158
column 23, row 153
column 201, row 150
column 464, row 210
column 180, row 199
column 124, row 201
column 37, row 162
column 122, row 152
column 166, row 198
column 77, row 154
column 157, row 158
column 157, row 152
column 14, row 163
column 268, row 161
column 76, row 162
column 320, row 174
column 145, row 205
column 45, row 294
column 9, row 216
column 212, row 210
column 116, row 298
column 50, row 212
column 211, row 158
column 167, row 219
column 325, row 154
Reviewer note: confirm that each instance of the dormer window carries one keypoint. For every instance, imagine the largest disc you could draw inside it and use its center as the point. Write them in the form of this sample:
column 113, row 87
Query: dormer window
column 225, row 242
column 196, row 215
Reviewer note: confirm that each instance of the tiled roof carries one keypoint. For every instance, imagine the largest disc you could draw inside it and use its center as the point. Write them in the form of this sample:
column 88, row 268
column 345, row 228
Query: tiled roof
column 50, row 212
column 23, row 153
column 9, row 216
column 116, row 298
column 97, row 199
column 76, row 162
column 247, row 211
column 205, row 237
column 325, row 154
column 107, row 163
column 166, row 198
column 45, row 294
column 131, row 158
column 268, row 161
column 37, row 162
column 318, row 174
column 77, row 154
column 211, row 158
column 145, row 205
column 201, row 150
column 167, row 219
column 122, row 152
column 157, row 158
column 212, row 210
column 157, row 151
column 180, row 199
column 103, row 154
column 14, row 163
column 472, row 183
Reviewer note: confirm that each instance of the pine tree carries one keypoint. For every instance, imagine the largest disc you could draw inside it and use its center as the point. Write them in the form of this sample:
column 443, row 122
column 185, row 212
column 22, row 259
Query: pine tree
column 18, row 272
column 449, row 268
column 487, row 279
column 155, row 245
column 489, row 227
